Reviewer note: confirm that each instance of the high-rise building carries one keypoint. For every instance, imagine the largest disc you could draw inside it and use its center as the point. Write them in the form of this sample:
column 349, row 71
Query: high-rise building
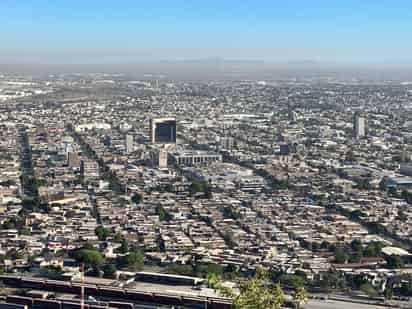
column 285, row 149
column 129, row 144
column 227, row 143
column 89, row 169
column 359, row 125
column 163, row 130
column 159, row 157
column 73, row 160
column 292, row 115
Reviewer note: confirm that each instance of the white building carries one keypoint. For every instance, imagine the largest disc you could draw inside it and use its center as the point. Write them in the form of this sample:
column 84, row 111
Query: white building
column 359, row 126
column 90, row 126
column 129, row 143
column 195, row 157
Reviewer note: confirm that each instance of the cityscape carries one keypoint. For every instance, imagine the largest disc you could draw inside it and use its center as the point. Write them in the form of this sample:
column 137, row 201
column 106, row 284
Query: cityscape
column 211, row 181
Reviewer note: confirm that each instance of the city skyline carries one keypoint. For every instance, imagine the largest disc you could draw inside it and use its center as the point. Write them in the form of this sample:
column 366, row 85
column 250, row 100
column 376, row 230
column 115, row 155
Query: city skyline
column 205, row 154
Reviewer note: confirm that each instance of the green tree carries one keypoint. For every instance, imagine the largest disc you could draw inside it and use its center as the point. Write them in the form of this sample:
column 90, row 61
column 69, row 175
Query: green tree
column 368, row 289
column 179, row 269
column 256, row 293
column 89, row 246
column 377, row 228
column 332, row 280
column 13, row 254
column 53, row 272
column 340, row 256
column 101, row 232
column 373, row 249
column 299, row 297
column 109, row 270
column 293, row 281
column 355, row 214
column 133, row 260
column 91, row 258
column 137, row 198
column 8, row 224
column 356, row 245
column 388, row 293
column 402, row 216
column 229, row 212
column 197, row 186
column 118, row 237
column 124, row 246
column 214, row 268
column 214, row 282
column 202, row 269
column 30, row 203
column 356, row 257
column 201, row 187
column 315, row 246
column 394, row 261
column 163, row 214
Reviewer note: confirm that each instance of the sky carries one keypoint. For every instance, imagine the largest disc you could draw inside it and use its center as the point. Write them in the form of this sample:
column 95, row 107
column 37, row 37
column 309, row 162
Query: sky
column 102, row 31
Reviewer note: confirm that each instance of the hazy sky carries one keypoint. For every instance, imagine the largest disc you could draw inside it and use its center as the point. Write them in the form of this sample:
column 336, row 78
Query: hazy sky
column 99, row 31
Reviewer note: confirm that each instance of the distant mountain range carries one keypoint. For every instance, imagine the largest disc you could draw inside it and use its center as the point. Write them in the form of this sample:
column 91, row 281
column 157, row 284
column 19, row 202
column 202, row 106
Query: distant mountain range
column 231, row 69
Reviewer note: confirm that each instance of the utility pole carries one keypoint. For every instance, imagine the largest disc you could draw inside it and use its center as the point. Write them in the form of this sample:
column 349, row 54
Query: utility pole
column 82, row 287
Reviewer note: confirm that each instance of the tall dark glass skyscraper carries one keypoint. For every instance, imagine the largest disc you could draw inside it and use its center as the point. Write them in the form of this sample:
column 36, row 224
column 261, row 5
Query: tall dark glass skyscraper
column 163, row 130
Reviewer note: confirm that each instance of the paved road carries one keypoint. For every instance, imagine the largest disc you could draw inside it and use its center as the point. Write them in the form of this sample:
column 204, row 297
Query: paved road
column 332, row 304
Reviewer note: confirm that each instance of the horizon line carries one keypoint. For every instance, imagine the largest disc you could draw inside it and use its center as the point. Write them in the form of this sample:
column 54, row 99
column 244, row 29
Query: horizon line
column 215, row 60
